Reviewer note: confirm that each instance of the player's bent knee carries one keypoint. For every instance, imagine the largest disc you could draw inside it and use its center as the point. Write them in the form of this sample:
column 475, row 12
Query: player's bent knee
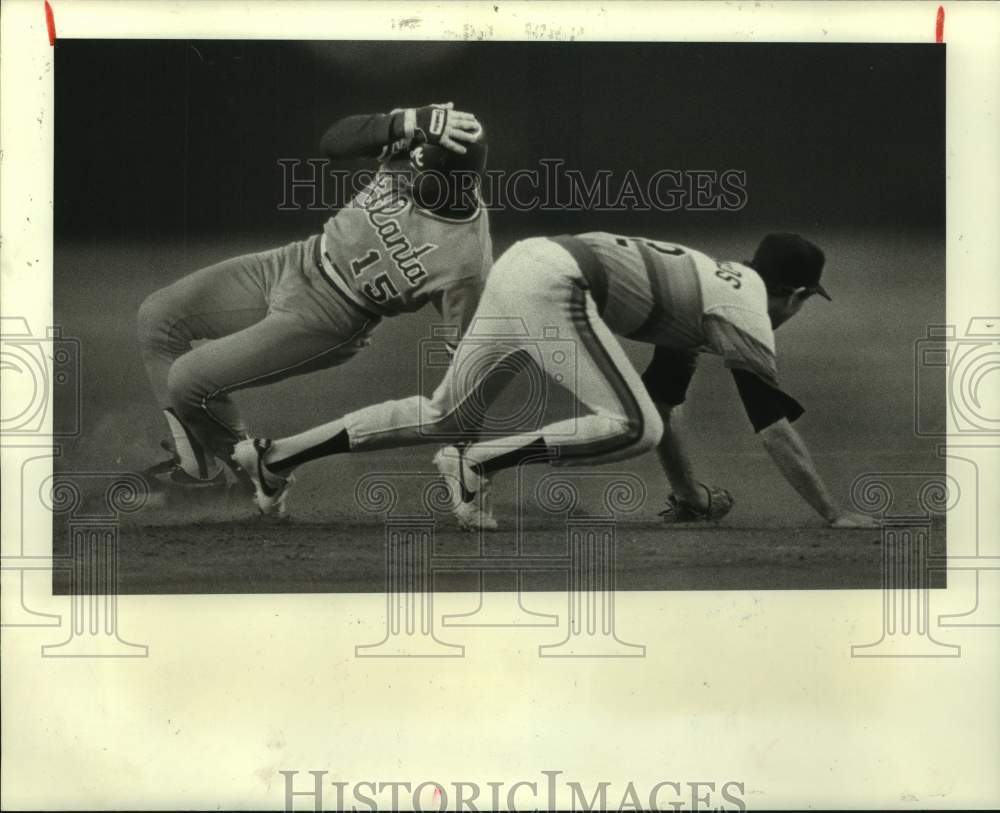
column 611, row 432
column 185, row 385
column 429, row 413
column 641, row 433
column 652, row 431
column 440, row 418
column 160, row 325
column 151, row 320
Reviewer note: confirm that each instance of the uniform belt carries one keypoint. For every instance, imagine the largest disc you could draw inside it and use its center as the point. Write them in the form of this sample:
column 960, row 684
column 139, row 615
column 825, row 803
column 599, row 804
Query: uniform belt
column 331, row 274
column 594, row 273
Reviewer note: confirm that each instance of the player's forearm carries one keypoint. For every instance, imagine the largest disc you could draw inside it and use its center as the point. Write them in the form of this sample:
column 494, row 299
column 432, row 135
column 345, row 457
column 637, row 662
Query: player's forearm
column 790, row 455
column 673, row 455
column 363, row 136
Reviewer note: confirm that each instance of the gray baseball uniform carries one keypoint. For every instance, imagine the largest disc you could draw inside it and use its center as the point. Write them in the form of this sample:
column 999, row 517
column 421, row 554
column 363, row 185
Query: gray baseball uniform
column 311, row 304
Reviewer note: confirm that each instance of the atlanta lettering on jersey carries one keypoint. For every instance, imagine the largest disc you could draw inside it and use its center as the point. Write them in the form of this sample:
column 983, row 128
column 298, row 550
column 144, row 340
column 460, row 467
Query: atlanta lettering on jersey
column 382, row 204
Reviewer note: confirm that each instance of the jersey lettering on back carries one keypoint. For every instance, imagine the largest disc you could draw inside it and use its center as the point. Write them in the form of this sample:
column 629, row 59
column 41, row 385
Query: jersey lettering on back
column 675, row 296
column 736, row 322
column 397, row 257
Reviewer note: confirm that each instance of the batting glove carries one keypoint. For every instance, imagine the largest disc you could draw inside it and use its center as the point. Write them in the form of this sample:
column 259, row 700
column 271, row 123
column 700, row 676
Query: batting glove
column 442, row 124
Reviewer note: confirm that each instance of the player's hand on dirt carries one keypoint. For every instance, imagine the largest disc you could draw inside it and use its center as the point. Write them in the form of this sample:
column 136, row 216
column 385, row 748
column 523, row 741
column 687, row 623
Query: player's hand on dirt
column 850, row 519
column 442, row 124
column 705, row 504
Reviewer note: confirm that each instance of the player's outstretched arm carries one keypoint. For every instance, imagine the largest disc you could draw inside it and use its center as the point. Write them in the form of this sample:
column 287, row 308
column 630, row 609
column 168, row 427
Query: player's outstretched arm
column 689, row 499
column 790, row 455
column 666, row 379
column 675, row 460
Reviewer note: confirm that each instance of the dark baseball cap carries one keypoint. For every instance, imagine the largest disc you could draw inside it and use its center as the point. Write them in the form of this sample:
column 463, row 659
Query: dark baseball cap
column 789, row 260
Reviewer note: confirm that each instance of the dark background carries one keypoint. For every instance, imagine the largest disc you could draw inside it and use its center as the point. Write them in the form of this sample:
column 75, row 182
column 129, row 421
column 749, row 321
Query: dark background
column 167, row 161
column 180, row 138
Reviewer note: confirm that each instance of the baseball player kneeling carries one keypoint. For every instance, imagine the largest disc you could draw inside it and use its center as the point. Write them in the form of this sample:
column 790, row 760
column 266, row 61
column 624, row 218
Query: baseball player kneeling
column 586, row 288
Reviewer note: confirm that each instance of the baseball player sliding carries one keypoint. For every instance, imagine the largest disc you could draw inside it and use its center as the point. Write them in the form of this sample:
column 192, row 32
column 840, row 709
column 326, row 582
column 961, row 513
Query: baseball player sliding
column 313, row 304
column 586, row 288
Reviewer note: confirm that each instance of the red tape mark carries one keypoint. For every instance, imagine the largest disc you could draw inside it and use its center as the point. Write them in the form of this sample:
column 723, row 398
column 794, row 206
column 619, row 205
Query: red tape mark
column 939, row 25
column 50, row 23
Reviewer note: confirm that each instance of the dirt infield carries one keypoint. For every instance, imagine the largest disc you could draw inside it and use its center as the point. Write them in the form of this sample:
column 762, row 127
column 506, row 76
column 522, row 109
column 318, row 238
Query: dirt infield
column 333, row 544
column 850, row 362
column 244, row 557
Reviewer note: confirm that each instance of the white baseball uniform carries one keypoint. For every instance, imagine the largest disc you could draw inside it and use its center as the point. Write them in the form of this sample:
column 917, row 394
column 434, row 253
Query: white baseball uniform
column 549, row 299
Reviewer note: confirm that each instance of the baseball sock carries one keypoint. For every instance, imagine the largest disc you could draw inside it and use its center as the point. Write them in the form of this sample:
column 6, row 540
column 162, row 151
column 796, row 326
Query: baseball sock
column 490, row 456
column 191, row 455
column 321, row 441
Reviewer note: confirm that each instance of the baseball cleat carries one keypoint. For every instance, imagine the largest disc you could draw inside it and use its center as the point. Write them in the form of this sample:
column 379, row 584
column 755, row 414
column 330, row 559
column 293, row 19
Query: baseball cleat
column 168, row 478
column 468, row 493
column 719, row 502
column 160, row 472
column 270, row 490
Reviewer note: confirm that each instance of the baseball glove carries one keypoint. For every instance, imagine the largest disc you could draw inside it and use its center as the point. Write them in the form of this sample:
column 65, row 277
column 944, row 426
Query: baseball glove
column 720, row 503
